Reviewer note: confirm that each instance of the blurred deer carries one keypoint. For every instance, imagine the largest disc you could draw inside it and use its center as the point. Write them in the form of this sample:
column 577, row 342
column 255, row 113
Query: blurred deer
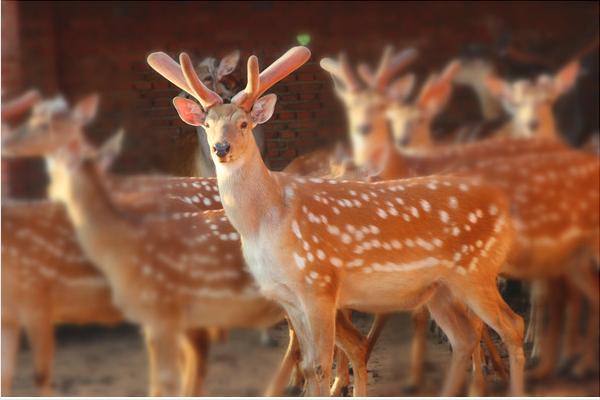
column 469, row 158
column 170, row 284
column 529, row 102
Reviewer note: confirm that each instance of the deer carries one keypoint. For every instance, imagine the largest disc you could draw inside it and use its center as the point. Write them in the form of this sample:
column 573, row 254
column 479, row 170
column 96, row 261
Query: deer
column 529, row 104
column 447, row 158
column 46, row 280
column 151, row 274
column 41, row 258
column 303, row 255
column 417, row 161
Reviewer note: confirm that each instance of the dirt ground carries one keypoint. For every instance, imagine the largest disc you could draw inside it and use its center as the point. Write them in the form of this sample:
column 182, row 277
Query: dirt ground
column 112, row 362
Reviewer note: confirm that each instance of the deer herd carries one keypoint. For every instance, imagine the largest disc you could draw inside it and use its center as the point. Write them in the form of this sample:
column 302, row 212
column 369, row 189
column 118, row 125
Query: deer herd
column 396, row 222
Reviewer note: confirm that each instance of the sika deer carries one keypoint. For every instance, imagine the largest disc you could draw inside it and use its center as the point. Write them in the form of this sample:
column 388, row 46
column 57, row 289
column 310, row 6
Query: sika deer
column 305, row 254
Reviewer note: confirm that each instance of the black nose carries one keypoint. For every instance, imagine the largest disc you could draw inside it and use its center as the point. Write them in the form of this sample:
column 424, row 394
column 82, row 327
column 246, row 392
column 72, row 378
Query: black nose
column 533, row 125
column 364, row 129
column 221, row 149
column 403, row 142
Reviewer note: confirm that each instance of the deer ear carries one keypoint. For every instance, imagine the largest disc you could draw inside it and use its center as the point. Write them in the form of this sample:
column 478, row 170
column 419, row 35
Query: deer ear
column 87, row 108
column 228, row 64
column 189, row 111
column 263, row 109
column 497, row 87
column 400, row 89
column 566, row 78
column 110, row 150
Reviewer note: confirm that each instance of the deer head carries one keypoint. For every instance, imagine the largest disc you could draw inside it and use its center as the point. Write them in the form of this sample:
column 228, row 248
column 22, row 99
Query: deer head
column 56, row 132
column 526, row 101
column 228, row 126
column 409, row 120
column 366, row 102
column 216, row 75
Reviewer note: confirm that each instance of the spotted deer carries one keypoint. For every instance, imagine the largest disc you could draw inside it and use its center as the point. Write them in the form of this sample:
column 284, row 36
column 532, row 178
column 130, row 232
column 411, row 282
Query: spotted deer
column 529, row 102
column 411, row 121
column 318, row 246
column 494, row 151
column 47, row 278
column 402, row 163
column 187, row 266
column 46, row 281
column 217, row 75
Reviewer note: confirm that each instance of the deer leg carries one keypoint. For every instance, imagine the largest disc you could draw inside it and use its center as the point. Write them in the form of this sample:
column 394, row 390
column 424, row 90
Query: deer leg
column 550, row 341
column 375, row 331
column 494, row 355
column 586, row 280
column 454, row 320
column 40, row 333
column 342, row 371
column 420, row 319
column 289, row 362
column 195, row 345
column 354, row 345
column 486, row 302
column 314, row 323
column 166, row 345
column 535, row 327
column 154, row 387
column 477, row 386
column 572, row 338
column 11, row 333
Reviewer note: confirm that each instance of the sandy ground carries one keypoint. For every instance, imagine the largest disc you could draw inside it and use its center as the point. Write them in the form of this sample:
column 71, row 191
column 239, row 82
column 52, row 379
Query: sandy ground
column 112, row 362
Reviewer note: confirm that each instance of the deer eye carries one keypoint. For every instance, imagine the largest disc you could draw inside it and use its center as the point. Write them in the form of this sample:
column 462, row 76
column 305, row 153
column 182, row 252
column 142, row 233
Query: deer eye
column 244, row 125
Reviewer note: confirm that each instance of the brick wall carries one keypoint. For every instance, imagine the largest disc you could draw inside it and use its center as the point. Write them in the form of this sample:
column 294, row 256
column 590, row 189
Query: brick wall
column 101, row 46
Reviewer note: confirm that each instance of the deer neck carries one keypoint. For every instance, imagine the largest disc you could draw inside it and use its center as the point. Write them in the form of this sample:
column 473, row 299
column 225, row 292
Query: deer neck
column 421, row 138
column 547, row 127
column 95, row 218
column 250, row 193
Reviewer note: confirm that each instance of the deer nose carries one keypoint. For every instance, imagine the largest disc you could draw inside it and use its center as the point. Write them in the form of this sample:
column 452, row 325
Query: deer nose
column 533, row 125
column 221, row 149
column 364, row 129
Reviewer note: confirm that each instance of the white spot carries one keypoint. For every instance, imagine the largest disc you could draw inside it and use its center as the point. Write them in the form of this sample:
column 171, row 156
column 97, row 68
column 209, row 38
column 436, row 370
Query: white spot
column 334, row 230
column 444, row 217
column 346, row 238
column 381, row 213
column 414, row 212
column 425, row 205
column 320, row 254
column 472, row 218
column 493, row 209
column 463, row 187
column 396, row 244
column 453, row 202
column 300, row 261
column 207, row 201
column 296, row 229
column 336, row 262
column 310, row 257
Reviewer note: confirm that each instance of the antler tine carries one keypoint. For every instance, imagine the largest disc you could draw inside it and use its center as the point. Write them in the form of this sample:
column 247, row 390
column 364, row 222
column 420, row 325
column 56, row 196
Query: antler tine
column 20, row 105
column 250, row 93
column 282, row 67
column 169, row 69
column 340, row 70
column 389, row 65
column 205, row 96
column 366, row 73
column 346, row 70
